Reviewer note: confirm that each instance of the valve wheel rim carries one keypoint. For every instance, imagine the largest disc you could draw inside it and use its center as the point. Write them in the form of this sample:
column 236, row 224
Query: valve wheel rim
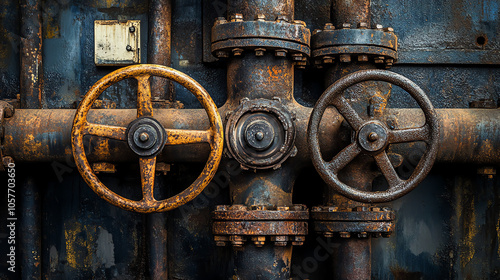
column 428, row 133
column 213, row 136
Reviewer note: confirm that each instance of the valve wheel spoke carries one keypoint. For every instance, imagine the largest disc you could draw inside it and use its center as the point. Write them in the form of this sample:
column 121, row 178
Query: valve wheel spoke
column 410, row 135
column 184, row 136
column 108, row 131
column 144, row 104
column 147, row 167
column 344, row 157
column 349, row 114
column 385, row 165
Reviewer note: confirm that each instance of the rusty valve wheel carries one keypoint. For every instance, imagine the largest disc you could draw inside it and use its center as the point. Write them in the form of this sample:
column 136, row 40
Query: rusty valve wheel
column 147, row 137
column 372, row 137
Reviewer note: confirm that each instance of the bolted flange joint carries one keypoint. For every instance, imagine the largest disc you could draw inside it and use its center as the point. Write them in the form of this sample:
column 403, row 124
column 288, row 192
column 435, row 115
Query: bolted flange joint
column 360, row 222
column 241, row 225
column 347, row 45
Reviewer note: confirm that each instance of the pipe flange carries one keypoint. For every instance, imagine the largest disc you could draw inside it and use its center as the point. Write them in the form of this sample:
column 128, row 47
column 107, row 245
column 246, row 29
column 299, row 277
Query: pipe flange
column 346, row 45
column 261, row 134
column 281, row 37
column 360, row 222
column 281, row 225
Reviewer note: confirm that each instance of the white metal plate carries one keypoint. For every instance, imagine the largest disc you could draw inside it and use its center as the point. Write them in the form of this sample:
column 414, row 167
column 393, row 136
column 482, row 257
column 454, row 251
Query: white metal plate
column 117, row 43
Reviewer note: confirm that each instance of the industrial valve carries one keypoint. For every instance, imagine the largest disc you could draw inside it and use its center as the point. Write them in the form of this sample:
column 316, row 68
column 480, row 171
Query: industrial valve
column 372, row 137
column 146, row 137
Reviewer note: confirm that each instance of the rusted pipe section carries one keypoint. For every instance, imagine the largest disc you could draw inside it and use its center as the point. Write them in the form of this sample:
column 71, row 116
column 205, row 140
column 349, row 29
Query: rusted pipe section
column 269, row 8
column 31, row 77
column 160, row 46
column 157, row 233
column 31, row 86
column 44, row 135
column 466, row 135
column 350, row 11
column 159, row 52
column 259, row 77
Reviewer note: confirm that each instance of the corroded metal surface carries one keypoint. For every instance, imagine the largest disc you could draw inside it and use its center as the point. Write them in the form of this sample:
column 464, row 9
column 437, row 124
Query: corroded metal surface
column 397, row 187
column 160, row 46
column 272, row 146
column 239, row 223
column 142, row 73
column 358, row 222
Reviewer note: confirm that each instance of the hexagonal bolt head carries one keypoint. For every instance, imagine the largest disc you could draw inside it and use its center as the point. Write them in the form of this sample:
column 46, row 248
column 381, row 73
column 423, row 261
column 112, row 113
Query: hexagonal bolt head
column 221, row 54
column 280, row 53
column 259, row 241
column 237, row 17
column 316, row 209
column 237, row 241
column 375, row 209
column 328, row 234
column 221, row 241
column 298, row 240
column 362, row 235
column 379, row 60
column 332, row 209
column 299, row 207
column 346, row 25
column 260, row 51
column 260, row 17
column 345, row 58
column 329, row 26
column 220, row 20
column 386, row 209
column 221, row 208
column 389, row 62
column 328, row 59
column 379, row 26
column 282, row 208
column 237, row 52
column 389, row 29
column 363, row 58
column 376, row 234
column 238, row 207
column 345, row 235
column 279, row 240
column 360, row 209
column 258, row 207
column 297, row 57
column 362, row 25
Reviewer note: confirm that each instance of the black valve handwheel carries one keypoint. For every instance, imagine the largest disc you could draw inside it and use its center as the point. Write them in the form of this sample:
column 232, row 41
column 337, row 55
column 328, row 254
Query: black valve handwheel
column 372, row 137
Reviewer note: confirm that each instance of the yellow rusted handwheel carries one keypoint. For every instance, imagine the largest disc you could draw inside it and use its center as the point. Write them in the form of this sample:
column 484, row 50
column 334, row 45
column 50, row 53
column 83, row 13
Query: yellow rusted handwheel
column 147, row 137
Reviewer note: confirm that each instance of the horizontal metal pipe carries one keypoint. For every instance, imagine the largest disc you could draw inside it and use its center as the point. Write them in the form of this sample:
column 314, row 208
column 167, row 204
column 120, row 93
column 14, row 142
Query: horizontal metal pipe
column 467, row 135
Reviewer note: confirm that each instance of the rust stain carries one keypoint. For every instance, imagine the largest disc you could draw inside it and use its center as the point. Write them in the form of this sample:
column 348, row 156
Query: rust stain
column 79, row 241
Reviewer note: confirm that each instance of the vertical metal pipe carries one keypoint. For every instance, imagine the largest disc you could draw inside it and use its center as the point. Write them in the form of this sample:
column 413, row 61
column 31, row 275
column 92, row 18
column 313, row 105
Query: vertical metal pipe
column 159, row 52
column 350, row 11
column 30, row 232
column 160, row 46
column 157, row 230
column 31, row 77
column 157, row 237
column 269, row 8
column 353, row 257
column 31, row 85
column 253, row 77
